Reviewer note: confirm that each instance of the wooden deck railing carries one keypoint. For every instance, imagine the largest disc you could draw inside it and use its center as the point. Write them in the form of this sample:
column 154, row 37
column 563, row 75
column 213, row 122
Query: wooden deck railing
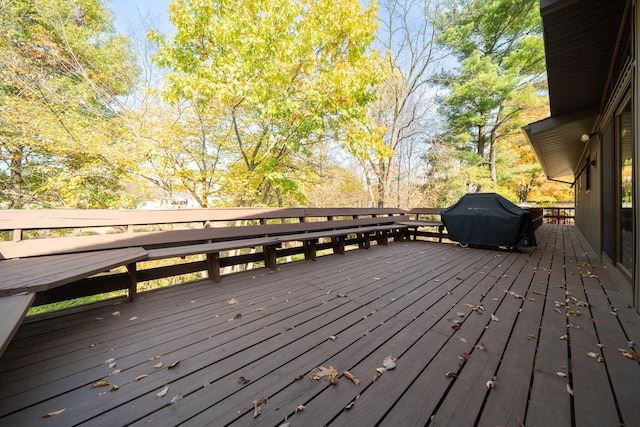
column 559, row 215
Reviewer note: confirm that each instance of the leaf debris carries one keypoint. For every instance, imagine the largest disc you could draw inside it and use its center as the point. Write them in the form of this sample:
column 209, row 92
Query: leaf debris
column 54, row 413
column 163, row 392
column 352, row 377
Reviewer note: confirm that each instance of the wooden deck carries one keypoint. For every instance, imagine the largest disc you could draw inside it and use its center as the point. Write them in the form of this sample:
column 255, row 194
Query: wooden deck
column 430, row 305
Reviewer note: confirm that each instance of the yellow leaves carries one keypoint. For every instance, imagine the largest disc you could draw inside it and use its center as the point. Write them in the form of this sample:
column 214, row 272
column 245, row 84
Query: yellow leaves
column 321, row 372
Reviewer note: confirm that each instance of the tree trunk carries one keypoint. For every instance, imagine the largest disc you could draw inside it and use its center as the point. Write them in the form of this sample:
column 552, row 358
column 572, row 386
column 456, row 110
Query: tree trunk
column 15, row 179
column 481, row 141
column 492, row 160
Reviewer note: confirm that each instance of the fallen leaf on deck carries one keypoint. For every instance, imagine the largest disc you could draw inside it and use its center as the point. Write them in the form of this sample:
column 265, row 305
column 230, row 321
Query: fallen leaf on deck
column 158, row 365
column 353, row 402
column 342, row 295
column 232, row 301
column 451, row 374
column 299, row 408
column 259, row 308
column 389, row 363
column 54, row 413
column 491, row 383
column 352, row 377
column 237, row 316
column 113, row 365
column 561, row 374
column 455, row 327
column 600, row 359
column 115, row 313
column 134, row 318
column 115, row 372
column 564, row 337
column 321, row 371
column 333, row 337
column 494, row 318
column 513, row 294
column 574, row 313
column 298, row 378
column 379, row 372
column 569, row 390
column 630, row 354
column 174, row 364
column 480, row 347
column 109, row 360
column 582, row 304
column 460, row 314
column 151, row 359
column 464, row 356
column 531, row 337
column 176, row 398
column 257, row 405
column 114, row 387
column 464, row 340
column 592, row 354
column 243, row 380
column 163, row 392
column 101, row 383
column 141, row 377
column 538, row 293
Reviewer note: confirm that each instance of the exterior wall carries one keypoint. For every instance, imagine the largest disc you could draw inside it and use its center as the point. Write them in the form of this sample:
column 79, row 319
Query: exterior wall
column 589, row 197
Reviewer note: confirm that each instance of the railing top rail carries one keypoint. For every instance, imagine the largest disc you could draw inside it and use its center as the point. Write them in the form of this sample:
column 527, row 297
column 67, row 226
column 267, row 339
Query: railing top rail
column 63, row 218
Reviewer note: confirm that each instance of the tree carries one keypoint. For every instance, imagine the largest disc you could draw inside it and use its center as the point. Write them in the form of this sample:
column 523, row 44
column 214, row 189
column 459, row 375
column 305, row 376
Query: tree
column 499, row 47
column 276, row 78
column 403, row 111
column 61, row 138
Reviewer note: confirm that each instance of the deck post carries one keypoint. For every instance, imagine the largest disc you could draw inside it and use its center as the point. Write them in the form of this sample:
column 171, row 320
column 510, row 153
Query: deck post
column 213, row 266
column 132, row 272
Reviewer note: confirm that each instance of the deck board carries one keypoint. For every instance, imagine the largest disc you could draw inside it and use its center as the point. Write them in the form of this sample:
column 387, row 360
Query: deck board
column 400, row 300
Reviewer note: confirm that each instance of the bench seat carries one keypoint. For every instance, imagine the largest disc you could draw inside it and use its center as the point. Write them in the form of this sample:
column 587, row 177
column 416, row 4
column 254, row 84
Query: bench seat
column 414, row 225
column 37, row 274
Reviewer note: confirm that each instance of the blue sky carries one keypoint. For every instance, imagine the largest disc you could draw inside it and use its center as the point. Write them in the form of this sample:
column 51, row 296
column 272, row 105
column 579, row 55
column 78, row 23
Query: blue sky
column 128, row 13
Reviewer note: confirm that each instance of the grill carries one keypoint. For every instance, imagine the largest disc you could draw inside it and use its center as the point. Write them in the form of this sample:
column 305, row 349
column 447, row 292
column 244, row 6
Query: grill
column 488, row 219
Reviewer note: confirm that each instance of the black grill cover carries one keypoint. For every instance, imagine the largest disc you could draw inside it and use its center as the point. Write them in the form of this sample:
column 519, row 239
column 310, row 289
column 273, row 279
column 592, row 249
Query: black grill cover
column 488, row 219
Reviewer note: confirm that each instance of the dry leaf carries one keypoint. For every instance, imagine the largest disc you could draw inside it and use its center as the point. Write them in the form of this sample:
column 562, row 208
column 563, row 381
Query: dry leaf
column 333, row 337
column 451, row 374
column 379, row 372
column 455, row 327
column 259, row 308
column 564, row 337
column 115, row 372
column 54, row 413
column 158, row 365
column 491, row 383
column 480, row 347
column 163, row 392
column 630, row 354
column 352, row 377
column 101, row 383
column 561, row 374
column 574, row 313
column 243, row 380
column 298, row 378
column 531, row 337
column 321, row 371
column 174, row 364
column 176, row 398
column 140, row 377
column 464, row 340
column 569, row 390
column 353, row 402
column 232, row 301
column 151, row 359
column 342, row 295
column 299, row 408
column 389, row 363
column 592, row 354
column 237, row 316
column 494, row 318
column 257, row 405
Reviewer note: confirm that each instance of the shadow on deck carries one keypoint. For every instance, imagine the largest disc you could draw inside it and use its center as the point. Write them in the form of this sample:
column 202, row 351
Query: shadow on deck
column 545, row 325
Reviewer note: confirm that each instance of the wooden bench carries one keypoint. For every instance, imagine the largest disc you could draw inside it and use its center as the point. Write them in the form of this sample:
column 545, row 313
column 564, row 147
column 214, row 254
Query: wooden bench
column 418, row 221
column 35, row 271
column 23, row 277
